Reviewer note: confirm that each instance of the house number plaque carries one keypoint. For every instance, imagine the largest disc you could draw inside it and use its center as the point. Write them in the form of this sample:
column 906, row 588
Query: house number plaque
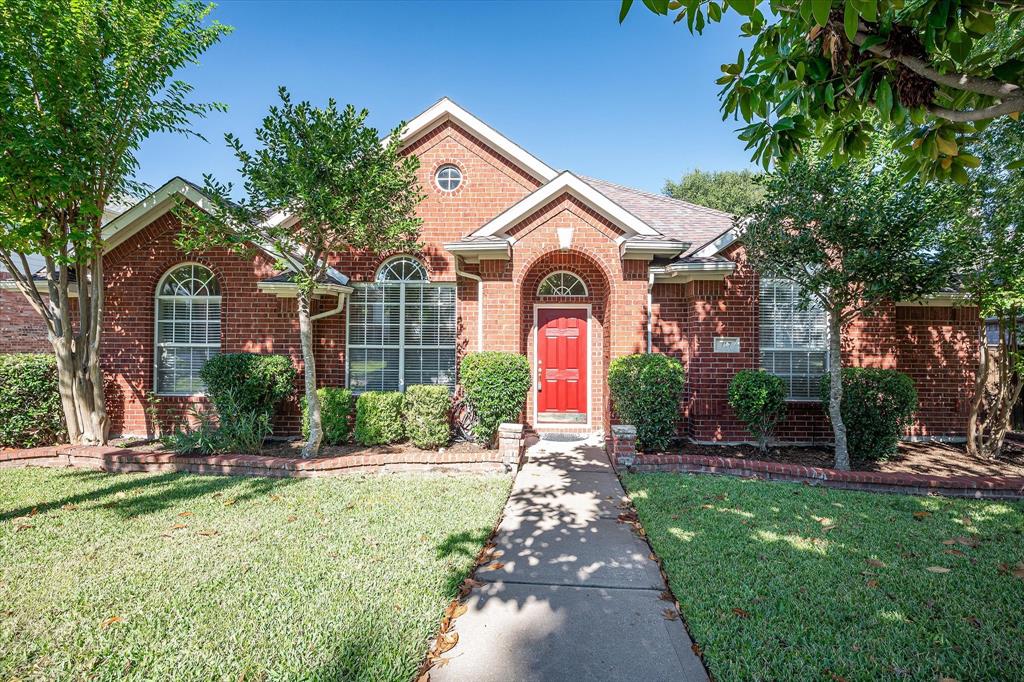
column 727, row 344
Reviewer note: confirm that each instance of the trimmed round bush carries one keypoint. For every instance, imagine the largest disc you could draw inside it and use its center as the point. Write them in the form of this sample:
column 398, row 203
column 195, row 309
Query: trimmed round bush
column 428, row 415
column 335, row 414
column 379, row 418
column 31, row 414
column 645, row 390
column 248, row 382
column 495, row 384
column 877, row 406
column 759, row 400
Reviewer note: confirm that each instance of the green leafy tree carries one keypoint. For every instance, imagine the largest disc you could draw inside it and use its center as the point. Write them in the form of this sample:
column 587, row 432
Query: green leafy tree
column 853, row 237
column 736, row 192
column 342, row 188
column 990, row 249
column 823, row 68
column 82, row 84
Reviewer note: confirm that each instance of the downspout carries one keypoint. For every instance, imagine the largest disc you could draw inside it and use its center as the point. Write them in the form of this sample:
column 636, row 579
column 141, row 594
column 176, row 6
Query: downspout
column 650, row 310
column 334, row 311
column 479, row 302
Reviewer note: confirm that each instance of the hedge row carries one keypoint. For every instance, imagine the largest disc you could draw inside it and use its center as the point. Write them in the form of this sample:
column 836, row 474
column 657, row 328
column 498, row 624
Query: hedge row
column 31, row 414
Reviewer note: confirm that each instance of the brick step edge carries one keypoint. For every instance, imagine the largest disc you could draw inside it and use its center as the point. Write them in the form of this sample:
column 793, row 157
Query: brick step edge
column 126, row 460
column 982, row 487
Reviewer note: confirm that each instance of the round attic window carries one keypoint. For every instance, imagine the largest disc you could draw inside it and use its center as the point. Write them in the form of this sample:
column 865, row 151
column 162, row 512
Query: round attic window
column 448, row 178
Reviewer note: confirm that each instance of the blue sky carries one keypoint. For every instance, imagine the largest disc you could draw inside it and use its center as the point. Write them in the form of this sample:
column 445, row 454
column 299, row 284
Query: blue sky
column 633, row 104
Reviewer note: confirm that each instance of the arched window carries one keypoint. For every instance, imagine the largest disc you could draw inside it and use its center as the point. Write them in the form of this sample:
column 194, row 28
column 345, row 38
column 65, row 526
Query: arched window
column 187, row 328
column 562, row 284
column 401, row 330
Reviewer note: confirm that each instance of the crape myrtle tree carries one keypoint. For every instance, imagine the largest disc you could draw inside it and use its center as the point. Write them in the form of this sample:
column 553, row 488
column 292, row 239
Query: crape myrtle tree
column 82, row 84
column 822, row 69
column 853, row 237
column 343, row 188
column 735, row 192
column 991, row 255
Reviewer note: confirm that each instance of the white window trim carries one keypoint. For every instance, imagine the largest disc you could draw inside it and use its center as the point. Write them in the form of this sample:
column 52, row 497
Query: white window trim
column 586, row 290
column 156, row 328
column 401, row 347
column 437, row 178
column 771, row 349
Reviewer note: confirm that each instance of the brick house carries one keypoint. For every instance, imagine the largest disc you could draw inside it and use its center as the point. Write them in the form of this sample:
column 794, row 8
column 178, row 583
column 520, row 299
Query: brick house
column 568, row 270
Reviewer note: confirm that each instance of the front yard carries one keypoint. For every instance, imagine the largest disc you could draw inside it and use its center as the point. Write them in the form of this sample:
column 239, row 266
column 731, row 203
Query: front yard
column 173, row 576
column 782, row 581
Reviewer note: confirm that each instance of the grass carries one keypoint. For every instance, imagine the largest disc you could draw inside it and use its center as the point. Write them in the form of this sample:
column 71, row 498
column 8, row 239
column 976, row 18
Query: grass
column 172, row 576
column 781, row 581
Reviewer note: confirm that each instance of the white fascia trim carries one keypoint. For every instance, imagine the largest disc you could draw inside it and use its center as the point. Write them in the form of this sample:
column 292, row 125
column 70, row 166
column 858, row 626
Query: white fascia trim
column 650, row 248
column 720, row 243
column 687, row 272
column 149, row 209
column 446, row 109
column 938, row 300
column 565, row 182
column 477, row 251
column 290, row 290
column 40, row 285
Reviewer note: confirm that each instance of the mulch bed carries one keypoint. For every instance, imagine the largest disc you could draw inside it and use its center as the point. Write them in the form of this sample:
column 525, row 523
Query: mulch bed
column 929, row 458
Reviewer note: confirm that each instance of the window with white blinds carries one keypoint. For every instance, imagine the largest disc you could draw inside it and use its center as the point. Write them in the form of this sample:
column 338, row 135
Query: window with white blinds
column 187, row 328
column 794, row 342
column 401, row 330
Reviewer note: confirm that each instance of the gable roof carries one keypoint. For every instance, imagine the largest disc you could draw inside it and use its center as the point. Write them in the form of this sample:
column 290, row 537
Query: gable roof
column 446, row 109
column 118, row 230
column 672, row 218
column 565, row 182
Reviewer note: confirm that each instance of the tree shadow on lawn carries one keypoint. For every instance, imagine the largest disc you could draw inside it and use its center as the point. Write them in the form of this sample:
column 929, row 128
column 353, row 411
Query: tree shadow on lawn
column 776, row 579
column 158, row 492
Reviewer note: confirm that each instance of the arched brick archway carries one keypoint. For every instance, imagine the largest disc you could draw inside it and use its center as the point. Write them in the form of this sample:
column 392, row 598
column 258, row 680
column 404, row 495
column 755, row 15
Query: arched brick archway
column 596, row 303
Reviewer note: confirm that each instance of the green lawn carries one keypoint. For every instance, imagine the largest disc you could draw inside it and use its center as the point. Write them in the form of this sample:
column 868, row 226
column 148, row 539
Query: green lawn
column 779, row 581
column 185, row 577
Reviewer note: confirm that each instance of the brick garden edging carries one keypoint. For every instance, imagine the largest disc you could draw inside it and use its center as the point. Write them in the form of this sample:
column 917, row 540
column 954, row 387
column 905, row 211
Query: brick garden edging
column 622, row 446
column 126, row 460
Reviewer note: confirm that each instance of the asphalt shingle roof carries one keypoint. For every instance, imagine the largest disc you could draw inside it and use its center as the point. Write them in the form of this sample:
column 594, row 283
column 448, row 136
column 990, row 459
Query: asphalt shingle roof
column 675, row 219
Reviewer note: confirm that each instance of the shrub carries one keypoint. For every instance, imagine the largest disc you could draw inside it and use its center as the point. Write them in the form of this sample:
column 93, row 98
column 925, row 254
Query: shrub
column 335, row 415
column 877, row 406
column 646, row 389
column 379, row 418
column 255, row 383
column 495, row 385
column 226, row 429
column 30, row 409
column 427, row 415
column 759, row 400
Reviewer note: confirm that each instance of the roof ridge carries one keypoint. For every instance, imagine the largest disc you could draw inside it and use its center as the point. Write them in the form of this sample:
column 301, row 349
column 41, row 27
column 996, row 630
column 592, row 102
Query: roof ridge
column 661, row 197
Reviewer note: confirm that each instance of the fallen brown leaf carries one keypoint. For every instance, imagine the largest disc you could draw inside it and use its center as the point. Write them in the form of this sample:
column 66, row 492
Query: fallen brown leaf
column 966, row 520
column 425, row 677
column 964, row 540
column 446, row 642
column 695, row 648
column 23, row 526
column 876, row 563
column 921, row 515
column 740, row 612
column 835, row 676
column 954, row 552
column 1018, row 571
column 208, row 533
column 185, row 513
column 496, row 566
column 973, row 622
column 938, row 569
column 670, row 614
column 458, row 610
column 107, row 622
column 872, row 583
column 178, row 526
column 292, row 518
column 230, row 501
column 665, row 596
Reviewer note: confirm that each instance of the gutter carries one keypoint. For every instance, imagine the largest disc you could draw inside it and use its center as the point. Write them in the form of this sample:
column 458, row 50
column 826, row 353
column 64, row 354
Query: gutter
column 479, row 302
column 650, row 310
column 342, row 297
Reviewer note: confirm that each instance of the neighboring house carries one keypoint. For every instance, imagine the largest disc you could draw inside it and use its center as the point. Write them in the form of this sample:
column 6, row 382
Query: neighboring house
column 517, row 256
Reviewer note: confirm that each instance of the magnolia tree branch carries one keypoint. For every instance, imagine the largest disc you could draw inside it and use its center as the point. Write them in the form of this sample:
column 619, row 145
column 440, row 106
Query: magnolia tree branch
column 1010, row 106
column 957, row 81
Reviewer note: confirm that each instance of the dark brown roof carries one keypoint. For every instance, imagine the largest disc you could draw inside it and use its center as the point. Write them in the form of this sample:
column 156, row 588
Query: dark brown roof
column 675, row 219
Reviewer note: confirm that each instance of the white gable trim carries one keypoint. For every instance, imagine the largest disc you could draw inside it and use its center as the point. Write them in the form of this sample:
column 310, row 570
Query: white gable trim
column 565, row 182
column 445, row 109
column 719, row 243
column 149, row 209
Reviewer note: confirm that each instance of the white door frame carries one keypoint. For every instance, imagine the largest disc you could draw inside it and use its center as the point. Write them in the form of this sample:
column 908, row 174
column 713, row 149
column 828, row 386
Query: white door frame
column 590, row 363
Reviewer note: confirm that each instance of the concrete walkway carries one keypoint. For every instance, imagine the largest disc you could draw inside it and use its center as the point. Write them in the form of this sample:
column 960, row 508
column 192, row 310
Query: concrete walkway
column 578, row 595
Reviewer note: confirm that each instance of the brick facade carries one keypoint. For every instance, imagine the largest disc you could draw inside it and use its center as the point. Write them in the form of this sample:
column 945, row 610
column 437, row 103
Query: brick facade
column 21, row 328
column 935, row 345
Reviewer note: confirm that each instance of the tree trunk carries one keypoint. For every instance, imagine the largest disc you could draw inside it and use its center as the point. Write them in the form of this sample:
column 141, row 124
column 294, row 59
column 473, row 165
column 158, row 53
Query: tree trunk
column 312, row 447
column 835, row 396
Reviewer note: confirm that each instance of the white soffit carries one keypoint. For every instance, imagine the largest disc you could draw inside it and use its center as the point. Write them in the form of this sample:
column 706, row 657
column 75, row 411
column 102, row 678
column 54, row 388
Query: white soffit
column 565, row 182
column 446, row 109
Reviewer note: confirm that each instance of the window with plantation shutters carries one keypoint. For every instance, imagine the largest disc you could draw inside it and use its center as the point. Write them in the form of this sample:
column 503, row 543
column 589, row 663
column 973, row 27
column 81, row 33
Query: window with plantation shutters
column 794, row 341
column 187, row 328
column 401, row 330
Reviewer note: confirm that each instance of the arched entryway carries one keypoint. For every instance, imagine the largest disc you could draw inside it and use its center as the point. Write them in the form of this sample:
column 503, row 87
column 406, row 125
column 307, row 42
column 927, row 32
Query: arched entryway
column 564, row 304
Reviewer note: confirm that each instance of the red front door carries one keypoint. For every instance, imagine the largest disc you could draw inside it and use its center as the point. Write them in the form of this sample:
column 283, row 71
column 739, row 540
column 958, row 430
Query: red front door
column 562, row 365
